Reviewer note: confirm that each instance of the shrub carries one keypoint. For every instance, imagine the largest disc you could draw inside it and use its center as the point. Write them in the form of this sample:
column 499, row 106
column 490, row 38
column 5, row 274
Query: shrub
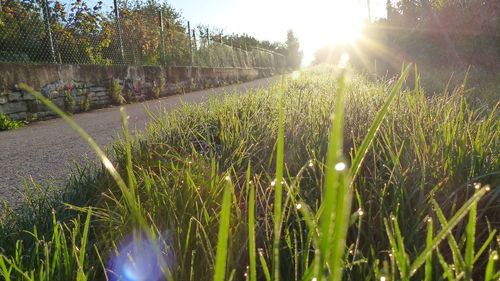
column 8, row 124
column 86, row 102
column 115, row 92
column 69, row 99
column 156, row 90
column 129, row 96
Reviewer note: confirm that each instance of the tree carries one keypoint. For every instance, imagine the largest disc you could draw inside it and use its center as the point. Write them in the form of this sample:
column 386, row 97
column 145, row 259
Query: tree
column 293, row 54
column 324, row 55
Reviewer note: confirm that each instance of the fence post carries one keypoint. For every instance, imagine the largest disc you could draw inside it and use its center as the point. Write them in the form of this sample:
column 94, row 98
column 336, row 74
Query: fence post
column 207, row 50
column 119, row 28
column 195, row 45
column 49, row 32
column 162, row 37
column 190, row 46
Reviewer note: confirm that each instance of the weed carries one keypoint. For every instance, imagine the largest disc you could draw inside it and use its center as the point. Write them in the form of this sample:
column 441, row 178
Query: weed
column 115, row 92
column 7, row 124
column 86, row 102
column 69, row 99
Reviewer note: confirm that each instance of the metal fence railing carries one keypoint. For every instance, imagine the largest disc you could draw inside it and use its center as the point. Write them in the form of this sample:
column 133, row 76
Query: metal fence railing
column 40, row 31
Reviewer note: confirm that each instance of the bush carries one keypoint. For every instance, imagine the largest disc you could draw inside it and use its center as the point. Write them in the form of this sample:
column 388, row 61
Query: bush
column 86, row 102
column 69, row 100
column 8, row 124
column 115, row 92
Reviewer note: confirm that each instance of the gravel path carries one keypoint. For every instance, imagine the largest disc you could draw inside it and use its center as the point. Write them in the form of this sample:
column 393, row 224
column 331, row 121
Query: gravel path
column 45, row 151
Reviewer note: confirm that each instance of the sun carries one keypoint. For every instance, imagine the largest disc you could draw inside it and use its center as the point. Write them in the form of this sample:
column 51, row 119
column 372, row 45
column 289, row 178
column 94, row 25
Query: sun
column 347, row 30
column 345, row 24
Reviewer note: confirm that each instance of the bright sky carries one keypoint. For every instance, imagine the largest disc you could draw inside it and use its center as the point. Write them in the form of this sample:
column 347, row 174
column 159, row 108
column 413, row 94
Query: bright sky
column 315, row 22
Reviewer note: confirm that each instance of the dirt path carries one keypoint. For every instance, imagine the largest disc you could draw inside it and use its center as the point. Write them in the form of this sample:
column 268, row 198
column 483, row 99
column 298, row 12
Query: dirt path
column 45, row 151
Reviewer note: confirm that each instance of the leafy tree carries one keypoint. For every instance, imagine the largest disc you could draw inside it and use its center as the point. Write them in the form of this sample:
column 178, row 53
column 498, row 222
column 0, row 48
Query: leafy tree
column 293, row 54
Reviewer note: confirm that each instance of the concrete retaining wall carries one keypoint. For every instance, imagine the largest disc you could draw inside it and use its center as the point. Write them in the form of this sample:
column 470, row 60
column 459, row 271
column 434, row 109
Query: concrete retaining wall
column 58, row 81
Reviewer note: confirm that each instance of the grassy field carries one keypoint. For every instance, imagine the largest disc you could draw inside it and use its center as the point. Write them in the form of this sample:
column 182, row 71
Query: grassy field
column 325, row 176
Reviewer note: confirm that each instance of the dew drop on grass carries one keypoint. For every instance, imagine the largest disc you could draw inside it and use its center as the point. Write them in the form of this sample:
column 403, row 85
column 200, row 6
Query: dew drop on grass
column 299, row 206
column 310, row 163
column 261, row 252
column 340, row 166
column 228, row 178
column 487, row 188
column 382, row 278
column 273, row 183
column 361, row 212
column 477, row 185
column 314, row 279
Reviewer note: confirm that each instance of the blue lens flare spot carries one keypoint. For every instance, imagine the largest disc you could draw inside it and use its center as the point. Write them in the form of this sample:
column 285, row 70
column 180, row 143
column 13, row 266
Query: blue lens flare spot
column 140, row 258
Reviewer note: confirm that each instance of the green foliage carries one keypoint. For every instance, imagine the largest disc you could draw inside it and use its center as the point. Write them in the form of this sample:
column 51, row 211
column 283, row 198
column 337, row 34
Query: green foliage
column 293, row 54
column 158, row 88
column 263, row 180
column 129, row 96
column 69, row 100
column 8, row 124
column 86, row 32
column 435, row 34
column 116, row 92
column 86, row 102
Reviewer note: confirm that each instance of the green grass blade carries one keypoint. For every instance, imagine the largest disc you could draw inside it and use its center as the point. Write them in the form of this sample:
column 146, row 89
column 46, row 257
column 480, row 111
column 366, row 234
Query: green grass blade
column 363, row 148
column 469, row 246
column 457, row 256
column 265, row 268
column 101, row 262
column 448, row 273
column 490, row 267
column 81, row 276
column 222, row 247
column 447, row 229
column 485, row 245
column 278, row 192
column 5, row 272
column 399, row 254
column 337, row 198
column 428, row 261
column 128, row 150
column 251, row 229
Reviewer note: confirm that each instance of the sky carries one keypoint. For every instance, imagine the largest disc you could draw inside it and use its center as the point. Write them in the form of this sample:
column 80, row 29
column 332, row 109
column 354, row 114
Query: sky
column 315, row 22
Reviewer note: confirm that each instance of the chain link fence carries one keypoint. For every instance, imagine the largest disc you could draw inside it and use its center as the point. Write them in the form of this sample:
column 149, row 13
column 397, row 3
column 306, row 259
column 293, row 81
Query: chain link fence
column 40, row 31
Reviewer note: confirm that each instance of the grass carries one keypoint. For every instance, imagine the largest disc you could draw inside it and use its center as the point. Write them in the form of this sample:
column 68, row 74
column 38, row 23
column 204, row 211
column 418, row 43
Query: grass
column 328, row 176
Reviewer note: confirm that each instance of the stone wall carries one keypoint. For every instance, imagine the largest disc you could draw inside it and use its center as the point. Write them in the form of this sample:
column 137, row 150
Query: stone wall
column 68, row 85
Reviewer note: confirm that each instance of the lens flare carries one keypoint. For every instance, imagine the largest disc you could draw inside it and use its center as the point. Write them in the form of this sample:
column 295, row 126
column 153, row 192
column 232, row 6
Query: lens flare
column 140, row 258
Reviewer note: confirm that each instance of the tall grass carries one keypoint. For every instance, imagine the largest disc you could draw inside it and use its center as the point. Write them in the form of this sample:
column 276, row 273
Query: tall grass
column 260, row 187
